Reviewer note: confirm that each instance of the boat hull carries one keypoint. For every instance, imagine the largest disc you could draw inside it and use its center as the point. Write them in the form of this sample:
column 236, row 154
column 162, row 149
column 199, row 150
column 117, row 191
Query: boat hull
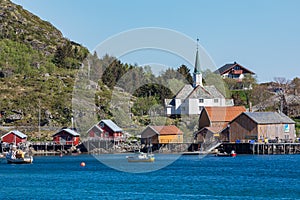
column 130, row 159
column 226, row 155
column 27, row 160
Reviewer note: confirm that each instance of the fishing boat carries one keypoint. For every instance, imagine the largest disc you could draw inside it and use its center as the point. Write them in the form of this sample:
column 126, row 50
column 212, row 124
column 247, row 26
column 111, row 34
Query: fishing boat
column 225, row 154
column 15, row 156
column 141, row 157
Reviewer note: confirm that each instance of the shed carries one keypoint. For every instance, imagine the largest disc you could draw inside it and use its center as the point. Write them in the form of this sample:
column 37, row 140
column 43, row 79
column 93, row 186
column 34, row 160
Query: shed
column 106, row 130
column 215, row 116
column 66, row 137
column 261, row 126
column 14, row 136
column 162, row 135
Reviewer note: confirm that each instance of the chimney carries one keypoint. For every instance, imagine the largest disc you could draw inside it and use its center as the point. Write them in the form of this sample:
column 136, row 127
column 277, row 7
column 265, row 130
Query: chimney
column 250, row 106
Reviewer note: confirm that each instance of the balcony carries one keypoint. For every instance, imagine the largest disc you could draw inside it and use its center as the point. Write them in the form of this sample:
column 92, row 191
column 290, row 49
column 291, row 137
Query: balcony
column 237, row 71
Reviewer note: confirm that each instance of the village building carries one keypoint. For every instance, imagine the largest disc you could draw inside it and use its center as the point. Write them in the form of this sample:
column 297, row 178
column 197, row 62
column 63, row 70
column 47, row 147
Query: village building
column 161, row 135
column 66, row 137
column 215, row 116
column 234, row 71
column 190, row 99
column 106, row 130
column 262, row 126
column 213, row 121
column 16, row 137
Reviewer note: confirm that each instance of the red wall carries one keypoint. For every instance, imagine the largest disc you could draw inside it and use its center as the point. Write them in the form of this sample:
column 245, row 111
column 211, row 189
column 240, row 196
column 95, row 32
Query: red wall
column 10, row 138
column 106, row 129
column 70, row 139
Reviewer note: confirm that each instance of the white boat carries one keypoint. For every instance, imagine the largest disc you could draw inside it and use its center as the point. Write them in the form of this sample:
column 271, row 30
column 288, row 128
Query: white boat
column 18, row 157
column 141, row 157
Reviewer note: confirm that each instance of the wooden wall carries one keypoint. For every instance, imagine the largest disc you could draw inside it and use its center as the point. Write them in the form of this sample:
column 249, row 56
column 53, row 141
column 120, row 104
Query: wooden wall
column 245, row 129
column 165, row 139
column 242, row 128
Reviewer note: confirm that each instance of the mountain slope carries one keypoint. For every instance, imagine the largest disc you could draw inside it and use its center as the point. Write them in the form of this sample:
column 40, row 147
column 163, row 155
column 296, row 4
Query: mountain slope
column 37, row 69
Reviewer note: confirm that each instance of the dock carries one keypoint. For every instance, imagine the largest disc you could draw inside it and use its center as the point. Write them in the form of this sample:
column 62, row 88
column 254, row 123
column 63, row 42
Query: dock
column 261, row 148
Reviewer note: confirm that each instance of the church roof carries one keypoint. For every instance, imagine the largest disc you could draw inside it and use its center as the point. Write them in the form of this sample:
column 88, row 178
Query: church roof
column 205, row 92
column 184, row 92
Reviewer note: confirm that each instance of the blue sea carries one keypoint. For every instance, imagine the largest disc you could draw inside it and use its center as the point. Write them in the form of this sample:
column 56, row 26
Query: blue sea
column 188, row 177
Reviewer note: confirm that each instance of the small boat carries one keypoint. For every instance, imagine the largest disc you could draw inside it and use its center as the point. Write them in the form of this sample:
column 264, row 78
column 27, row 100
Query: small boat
column 18, row 157
column 141, row 157
column 225, row 154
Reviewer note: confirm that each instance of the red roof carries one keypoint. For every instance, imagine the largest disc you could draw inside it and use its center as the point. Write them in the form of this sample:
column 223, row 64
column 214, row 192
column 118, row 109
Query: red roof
column 224, row 114
column 167, row 130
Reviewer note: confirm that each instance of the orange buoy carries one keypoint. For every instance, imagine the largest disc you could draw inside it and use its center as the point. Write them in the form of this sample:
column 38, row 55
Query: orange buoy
column 82, row 164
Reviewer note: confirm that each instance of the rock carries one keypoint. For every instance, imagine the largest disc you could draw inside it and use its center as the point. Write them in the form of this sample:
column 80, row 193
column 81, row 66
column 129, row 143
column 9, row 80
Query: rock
column 48, row 114
column 13, row 117
column 19, row 112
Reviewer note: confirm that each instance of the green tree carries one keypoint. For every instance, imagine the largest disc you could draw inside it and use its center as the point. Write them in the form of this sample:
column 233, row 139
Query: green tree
column 185, row 72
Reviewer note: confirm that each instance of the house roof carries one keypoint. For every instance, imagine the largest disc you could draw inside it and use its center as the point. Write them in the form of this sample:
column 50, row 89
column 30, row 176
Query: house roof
column 213, row 129
column 70, row 131
column 166, row 130
column 227, row 67
column 269, row 118
column 111, row 125
column 17, row 133
column 223, row 114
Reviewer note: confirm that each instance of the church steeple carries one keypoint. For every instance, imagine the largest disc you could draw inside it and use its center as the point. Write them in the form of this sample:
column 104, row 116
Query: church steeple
column 197, row 76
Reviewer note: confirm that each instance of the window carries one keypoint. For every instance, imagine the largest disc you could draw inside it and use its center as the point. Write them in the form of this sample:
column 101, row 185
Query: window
column 201, row 100
column 216, row 100
column 237, row 68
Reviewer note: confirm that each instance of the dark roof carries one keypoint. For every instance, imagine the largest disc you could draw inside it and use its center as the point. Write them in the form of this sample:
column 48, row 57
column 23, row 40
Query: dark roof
column 229, row 66
column 269, row 118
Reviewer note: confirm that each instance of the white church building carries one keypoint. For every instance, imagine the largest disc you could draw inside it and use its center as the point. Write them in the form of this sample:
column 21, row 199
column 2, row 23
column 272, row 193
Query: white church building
column 191, row 99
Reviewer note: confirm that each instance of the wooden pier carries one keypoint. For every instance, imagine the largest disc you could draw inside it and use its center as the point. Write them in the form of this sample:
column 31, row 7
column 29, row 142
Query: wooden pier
column 261, row 148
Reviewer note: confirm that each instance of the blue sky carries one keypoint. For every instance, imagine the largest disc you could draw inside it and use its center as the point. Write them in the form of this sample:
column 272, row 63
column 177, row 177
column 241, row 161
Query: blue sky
column 262, row 35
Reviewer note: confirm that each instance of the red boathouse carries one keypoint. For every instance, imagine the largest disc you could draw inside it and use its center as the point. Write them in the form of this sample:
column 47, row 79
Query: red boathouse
column 66, row 137
column 14, row 136
column 106, row 130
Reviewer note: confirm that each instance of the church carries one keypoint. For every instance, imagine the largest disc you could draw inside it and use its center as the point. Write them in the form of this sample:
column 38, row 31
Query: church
column 191, row 99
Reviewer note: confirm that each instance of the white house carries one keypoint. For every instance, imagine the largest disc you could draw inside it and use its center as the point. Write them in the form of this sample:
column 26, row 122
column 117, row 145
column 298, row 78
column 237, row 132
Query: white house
column 234, row 71
column 191, row 99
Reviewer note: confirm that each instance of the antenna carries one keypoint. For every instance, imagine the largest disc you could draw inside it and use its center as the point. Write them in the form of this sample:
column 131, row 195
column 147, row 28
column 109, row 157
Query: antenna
column 197, row 44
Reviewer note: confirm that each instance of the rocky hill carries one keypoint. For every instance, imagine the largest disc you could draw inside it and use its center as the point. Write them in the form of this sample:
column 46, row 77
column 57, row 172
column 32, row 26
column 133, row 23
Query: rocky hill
column 37, row 69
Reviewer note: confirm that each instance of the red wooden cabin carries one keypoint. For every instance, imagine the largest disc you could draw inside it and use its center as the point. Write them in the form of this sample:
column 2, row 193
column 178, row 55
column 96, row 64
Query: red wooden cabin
column 15, row 137
column 106, row 130
column 66, row 137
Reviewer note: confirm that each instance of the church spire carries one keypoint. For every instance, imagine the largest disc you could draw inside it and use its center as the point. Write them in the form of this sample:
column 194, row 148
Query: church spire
column 197, row 63
column 197, row 76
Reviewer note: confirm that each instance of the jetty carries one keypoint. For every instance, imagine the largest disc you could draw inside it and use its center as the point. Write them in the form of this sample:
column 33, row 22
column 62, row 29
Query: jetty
column 261, row 148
